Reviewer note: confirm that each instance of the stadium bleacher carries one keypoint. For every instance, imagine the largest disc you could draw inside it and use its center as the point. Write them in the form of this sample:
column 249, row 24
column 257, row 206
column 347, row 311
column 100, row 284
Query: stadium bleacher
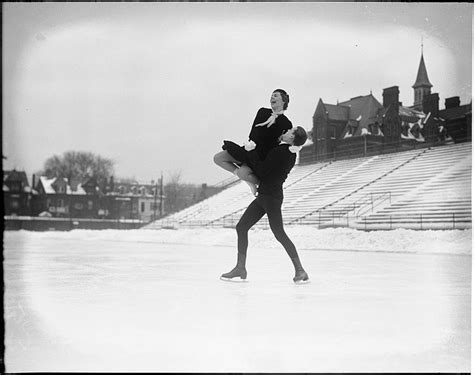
column 427, row 188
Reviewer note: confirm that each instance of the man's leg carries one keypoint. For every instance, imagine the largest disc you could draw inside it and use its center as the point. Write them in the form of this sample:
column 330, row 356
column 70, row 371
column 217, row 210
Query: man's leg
column 252, row 215
column 273, row 208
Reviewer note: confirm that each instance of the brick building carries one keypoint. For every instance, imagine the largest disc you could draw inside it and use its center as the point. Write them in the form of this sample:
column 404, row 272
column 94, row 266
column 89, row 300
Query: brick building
column 363, row 126
column 133, row 200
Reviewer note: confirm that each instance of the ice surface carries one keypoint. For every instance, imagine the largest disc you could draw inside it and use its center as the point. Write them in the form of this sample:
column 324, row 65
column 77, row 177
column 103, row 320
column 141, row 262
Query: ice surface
column 144, row 300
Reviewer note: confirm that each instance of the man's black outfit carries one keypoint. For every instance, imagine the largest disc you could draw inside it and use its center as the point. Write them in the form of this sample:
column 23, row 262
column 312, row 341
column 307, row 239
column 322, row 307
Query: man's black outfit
column 272, row 173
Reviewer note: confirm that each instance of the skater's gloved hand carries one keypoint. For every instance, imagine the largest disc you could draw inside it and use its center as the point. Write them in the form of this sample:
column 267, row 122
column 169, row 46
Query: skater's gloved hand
column 250, row 145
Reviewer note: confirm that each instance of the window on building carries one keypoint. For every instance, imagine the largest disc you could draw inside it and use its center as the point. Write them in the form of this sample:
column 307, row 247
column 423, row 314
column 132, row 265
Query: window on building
column 14, row 204
column 90, row 205
column 142, row 207
column 374, row 129
column 15, row 187
column 78, row 206
column 60, row 203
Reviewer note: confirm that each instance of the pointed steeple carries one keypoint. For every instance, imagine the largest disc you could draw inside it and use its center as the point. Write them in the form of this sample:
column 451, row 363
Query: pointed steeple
column 422, row 86
column 422, row 76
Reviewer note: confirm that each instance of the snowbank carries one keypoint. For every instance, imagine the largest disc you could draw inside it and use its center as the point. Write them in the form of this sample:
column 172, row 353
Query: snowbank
column 305, row 238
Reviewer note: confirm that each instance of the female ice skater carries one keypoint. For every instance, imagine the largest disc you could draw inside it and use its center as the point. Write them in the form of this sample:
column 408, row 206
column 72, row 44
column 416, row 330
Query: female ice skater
column 268, row 126
column 272, row 173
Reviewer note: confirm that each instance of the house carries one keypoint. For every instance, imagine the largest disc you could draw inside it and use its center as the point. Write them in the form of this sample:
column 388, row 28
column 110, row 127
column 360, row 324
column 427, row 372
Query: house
column 63, row 198
column 17, row 193
column 133, row 200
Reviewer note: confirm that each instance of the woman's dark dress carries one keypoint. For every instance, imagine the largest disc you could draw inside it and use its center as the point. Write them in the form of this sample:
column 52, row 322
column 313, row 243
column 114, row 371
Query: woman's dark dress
column 265, row 138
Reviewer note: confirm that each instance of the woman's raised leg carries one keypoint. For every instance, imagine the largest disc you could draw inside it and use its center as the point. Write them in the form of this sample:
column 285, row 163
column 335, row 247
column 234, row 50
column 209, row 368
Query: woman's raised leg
column 225, row 160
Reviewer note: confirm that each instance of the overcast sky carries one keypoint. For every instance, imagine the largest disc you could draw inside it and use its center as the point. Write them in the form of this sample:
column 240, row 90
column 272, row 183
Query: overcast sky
column 158, row 86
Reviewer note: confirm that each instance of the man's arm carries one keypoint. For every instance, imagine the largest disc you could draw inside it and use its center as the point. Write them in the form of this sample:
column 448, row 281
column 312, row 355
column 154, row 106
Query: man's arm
column 276, row 165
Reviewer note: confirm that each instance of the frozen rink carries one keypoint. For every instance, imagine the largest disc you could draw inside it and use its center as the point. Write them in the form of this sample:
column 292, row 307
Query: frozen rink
column 146, row 300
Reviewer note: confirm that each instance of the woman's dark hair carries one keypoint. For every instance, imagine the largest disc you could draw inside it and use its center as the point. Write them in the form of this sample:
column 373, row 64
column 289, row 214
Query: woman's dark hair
column 300, row 136
column 284, row 96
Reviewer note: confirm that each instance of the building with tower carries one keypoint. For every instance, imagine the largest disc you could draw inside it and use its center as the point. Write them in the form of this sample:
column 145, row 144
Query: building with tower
column 422, row 86
column 363, row 126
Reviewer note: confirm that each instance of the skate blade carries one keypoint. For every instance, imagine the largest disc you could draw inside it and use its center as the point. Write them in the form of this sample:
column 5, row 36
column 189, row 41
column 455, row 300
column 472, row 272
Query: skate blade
column 302, row 282
column 234, row 280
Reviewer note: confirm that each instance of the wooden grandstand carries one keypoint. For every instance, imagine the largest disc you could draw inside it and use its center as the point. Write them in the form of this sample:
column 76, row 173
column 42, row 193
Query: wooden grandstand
column 426, row 188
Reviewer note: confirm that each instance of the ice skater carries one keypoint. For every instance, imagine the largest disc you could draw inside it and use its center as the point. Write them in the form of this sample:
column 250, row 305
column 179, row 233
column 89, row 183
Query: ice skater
column 272, row 173
column 268, row 126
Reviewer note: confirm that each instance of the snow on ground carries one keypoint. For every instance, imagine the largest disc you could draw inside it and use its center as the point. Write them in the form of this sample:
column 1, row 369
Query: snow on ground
column 304, row 237
column 144, row 300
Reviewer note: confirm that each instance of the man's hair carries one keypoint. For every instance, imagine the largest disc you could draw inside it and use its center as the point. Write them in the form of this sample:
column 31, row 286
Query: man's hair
column 284, row 96
column 300, row 136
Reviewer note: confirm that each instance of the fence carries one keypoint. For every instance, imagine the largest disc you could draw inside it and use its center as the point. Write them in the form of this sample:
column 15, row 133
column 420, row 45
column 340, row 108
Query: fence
column 330, row 219
column 418, row 222
column 65, row 224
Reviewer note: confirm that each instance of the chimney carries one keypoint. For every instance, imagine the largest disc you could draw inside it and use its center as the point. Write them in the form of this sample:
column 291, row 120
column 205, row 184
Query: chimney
column 452, row 102
column 390, row 96
column 431, row 104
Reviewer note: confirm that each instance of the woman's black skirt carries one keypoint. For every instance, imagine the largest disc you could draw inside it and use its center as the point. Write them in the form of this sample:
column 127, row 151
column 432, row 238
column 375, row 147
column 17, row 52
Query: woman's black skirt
column 240, row 154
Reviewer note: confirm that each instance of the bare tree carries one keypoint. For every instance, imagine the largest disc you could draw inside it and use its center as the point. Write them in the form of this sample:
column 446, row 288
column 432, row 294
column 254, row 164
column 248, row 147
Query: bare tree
column 173, row 192
column 79, row 164
column 180, row 195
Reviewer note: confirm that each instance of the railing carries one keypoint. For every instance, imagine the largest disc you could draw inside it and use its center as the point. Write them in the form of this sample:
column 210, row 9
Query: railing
column 332, row 219
column 226, row 218
column 419, row 222
column 325, row 214
column 229, row 221
column 380, row 198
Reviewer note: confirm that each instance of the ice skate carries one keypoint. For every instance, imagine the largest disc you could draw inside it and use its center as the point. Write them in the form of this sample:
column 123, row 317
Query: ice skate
column 301, row 277
column 238, row 274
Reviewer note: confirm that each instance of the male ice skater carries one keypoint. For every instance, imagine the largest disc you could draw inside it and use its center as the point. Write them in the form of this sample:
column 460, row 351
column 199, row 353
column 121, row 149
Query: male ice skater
column 272, row 172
